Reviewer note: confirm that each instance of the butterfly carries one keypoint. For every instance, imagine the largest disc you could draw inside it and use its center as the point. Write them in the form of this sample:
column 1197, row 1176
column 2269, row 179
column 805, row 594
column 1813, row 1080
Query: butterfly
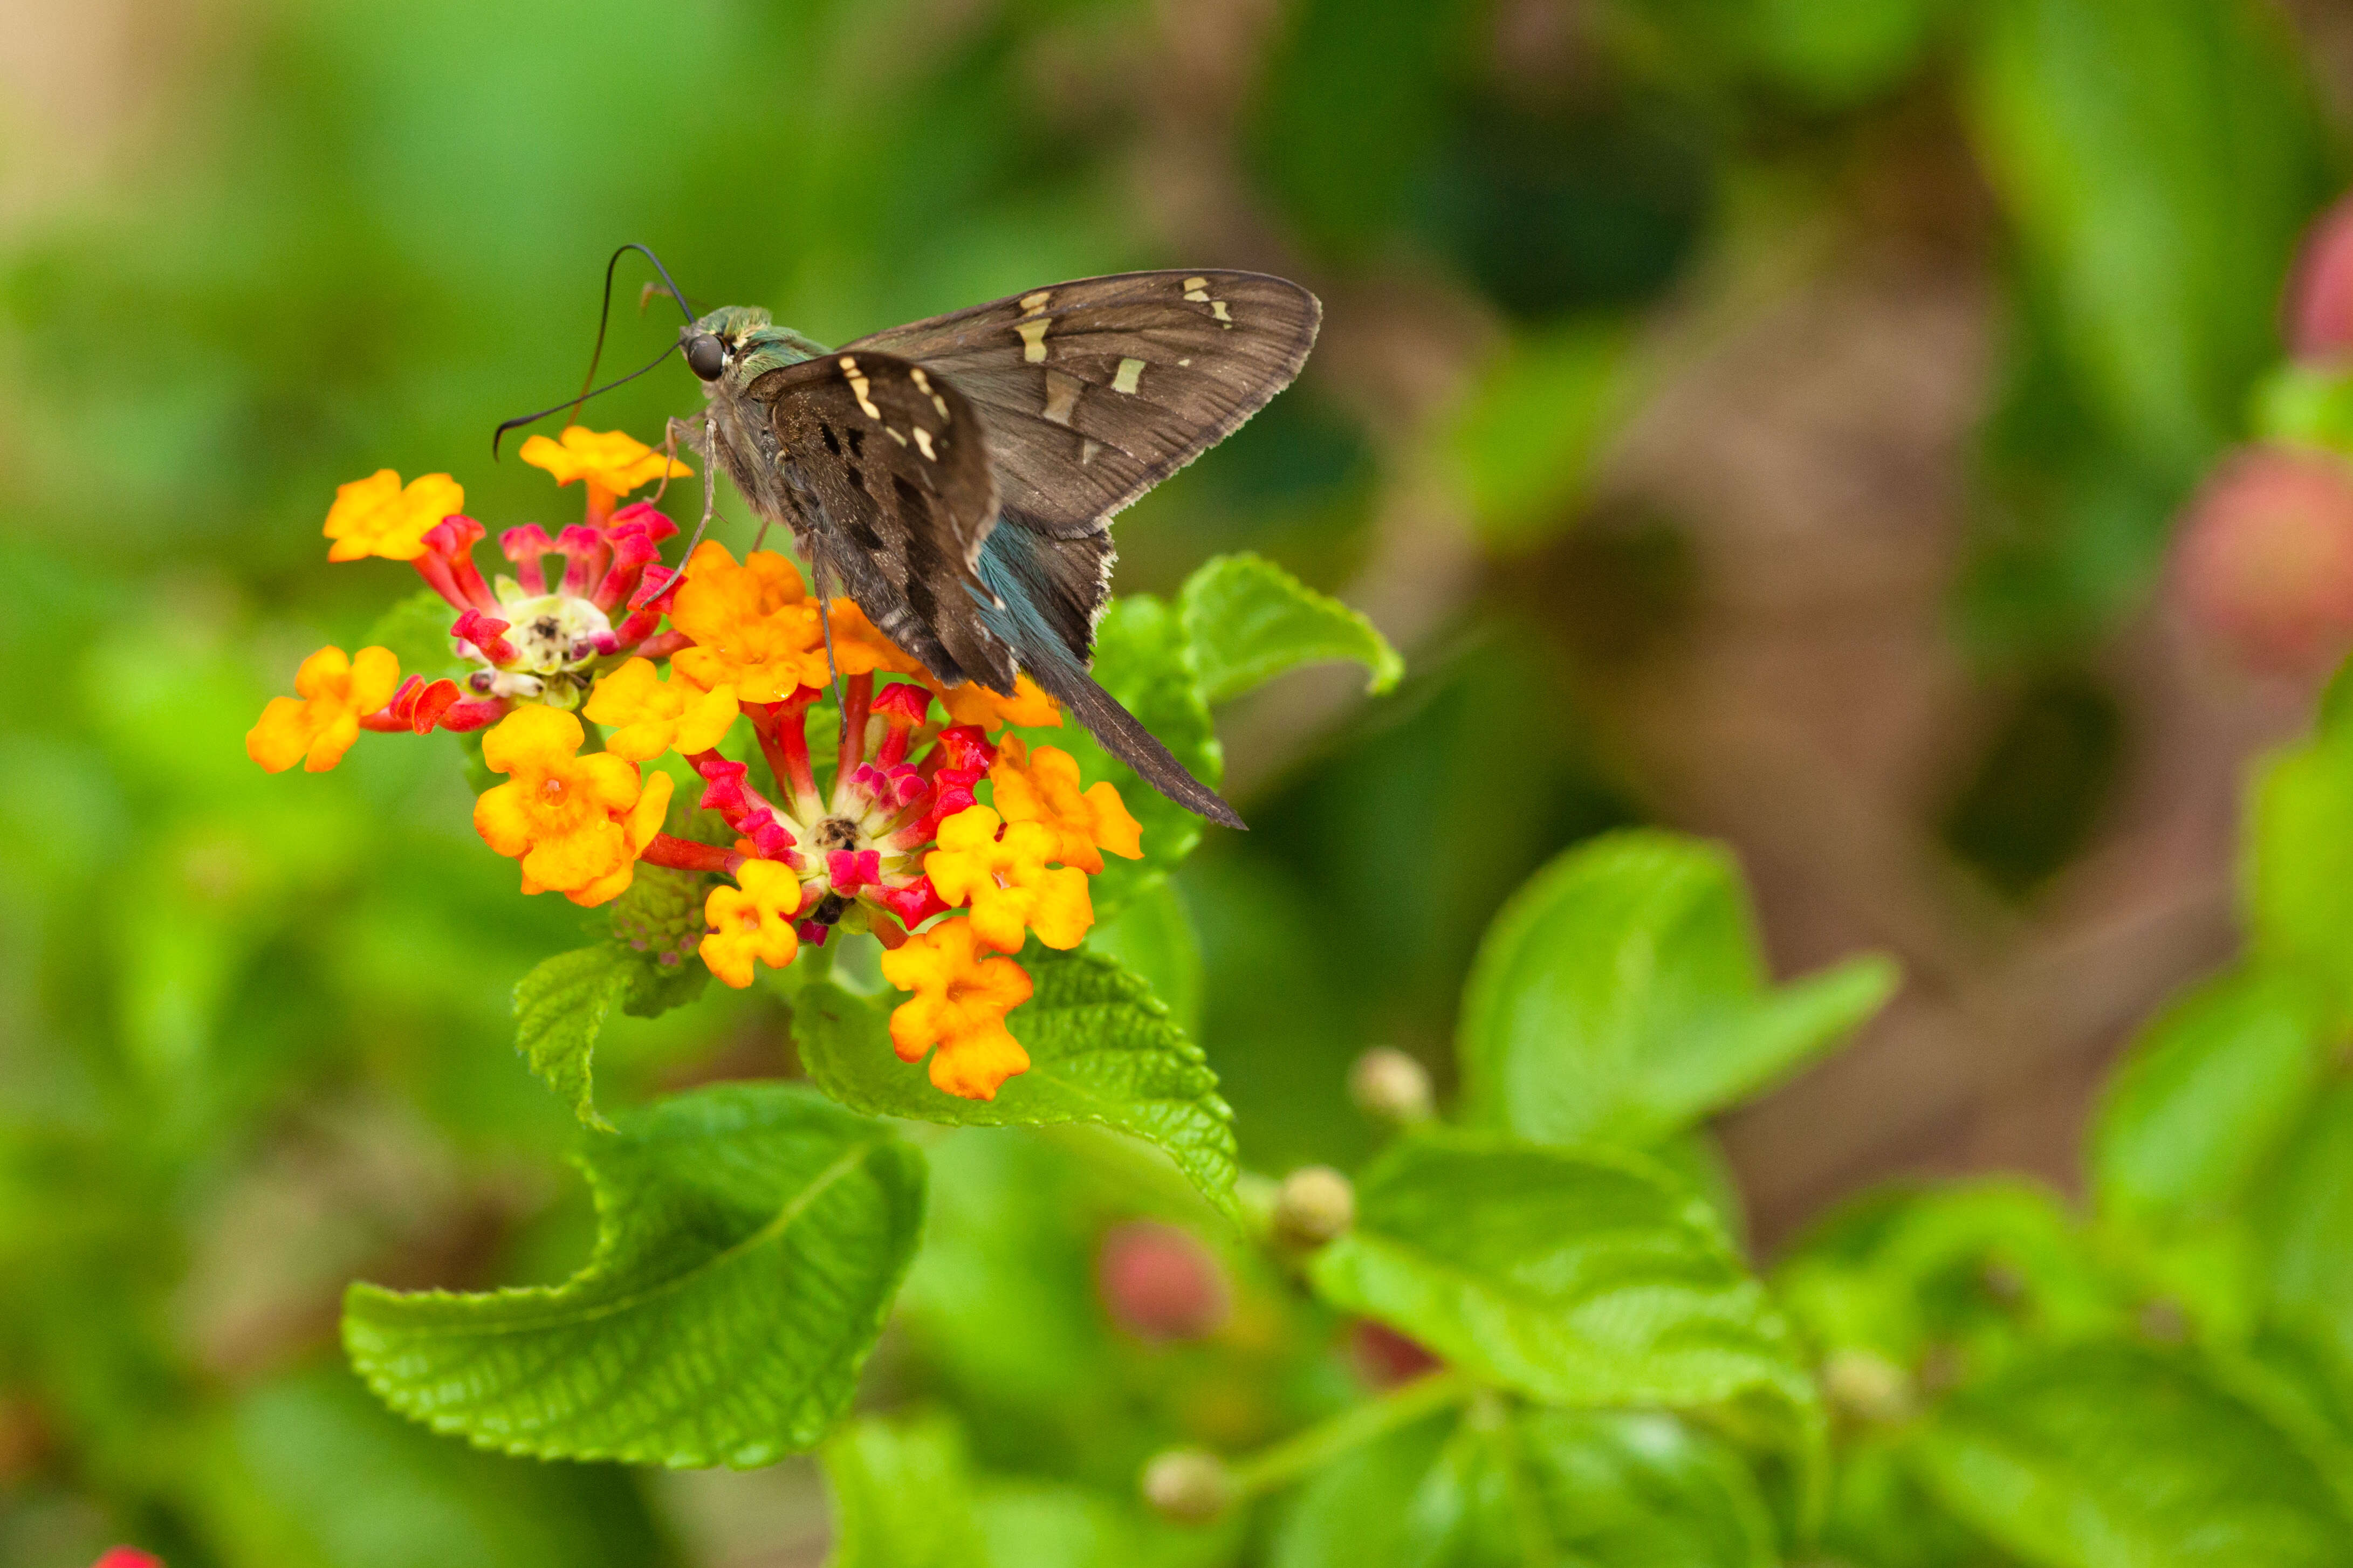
column 957, row 477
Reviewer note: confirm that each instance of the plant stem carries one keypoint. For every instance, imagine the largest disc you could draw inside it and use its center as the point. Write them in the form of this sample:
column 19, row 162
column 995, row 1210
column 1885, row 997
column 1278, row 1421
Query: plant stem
column 1288, row 1460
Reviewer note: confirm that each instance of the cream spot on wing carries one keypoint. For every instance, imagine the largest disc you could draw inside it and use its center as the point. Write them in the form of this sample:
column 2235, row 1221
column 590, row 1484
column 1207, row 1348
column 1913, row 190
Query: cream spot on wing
column 1037, row 301
column 923, row 441
column 1131, row 371
column 1033, row 340
column 1087, row 450
column 1217, row 309
column 1061, row 396
column 895, row 434
column 1196, row 283
column 1184, row 362
column 849, row 364
column 858, row 385
column 923, row 382
column 1199, row 296
column 942, row 405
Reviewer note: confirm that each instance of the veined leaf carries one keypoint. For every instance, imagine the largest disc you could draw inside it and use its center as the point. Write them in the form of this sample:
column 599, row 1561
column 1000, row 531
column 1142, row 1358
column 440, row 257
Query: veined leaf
column 2207, row 1096
column 559, row 1008
column 749, row 1239
column 2113, row 1455
column 1580, row 1277
column 1246, row 620
column 1620, row 995
column 1598, row 1488
column 901, row 1496
column 1102, row 1048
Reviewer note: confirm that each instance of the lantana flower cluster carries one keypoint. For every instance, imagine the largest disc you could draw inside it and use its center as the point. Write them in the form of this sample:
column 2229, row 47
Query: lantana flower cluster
column 586, row 672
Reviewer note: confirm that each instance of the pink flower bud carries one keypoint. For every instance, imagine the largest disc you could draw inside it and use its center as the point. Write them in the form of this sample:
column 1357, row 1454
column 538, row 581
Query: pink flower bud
column 2264, row 561
column 1383, row 1357
column 2318, row 310
column 1160, row 1283
column 127, row 1557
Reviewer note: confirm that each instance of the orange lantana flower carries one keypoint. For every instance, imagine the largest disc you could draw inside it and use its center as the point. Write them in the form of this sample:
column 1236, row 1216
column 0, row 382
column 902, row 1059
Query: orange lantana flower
column 755, row 629
column 577, row 824
column 379, row 516
column 317, row 728
column 612, row 462
column 751, row 921
column 972, row 703
column 1005, row 878
column 650, row 717
column 1043, row 787
column 960, row 1001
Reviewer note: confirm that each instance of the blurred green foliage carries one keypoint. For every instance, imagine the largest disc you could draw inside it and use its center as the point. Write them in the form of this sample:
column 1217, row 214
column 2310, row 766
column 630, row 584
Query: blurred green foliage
column 255, row 1032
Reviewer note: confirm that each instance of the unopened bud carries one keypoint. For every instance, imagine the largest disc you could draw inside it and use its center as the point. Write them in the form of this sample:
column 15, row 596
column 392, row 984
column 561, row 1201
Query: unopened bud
column 1188, row 1485
column 2319, row 305
column 1384, row 1358
column 2265, row 561
column 1160, row 1283
column 1314, row 1204
column 1868, row 1387
column 1389, row 1086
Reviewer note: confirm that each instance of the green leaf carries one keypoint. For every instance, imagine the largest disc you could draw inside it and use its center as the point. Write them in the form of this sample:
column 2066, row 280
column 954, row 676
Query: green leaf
column 1247, row 621
column 1579, row 1278
column 1101, row 1050
column 1620, row 995
column 2305, row 1214
column 416, row 630
column 560, row 1009
column 749, row 1239
column 367, row 1489
column 1601, row 1489
column 2300, row 855
column 2158, row 160
column 2207, row 1096
column 2112, row 1456
column 1153, row 938
column 1141, row 659
column 901, row 1496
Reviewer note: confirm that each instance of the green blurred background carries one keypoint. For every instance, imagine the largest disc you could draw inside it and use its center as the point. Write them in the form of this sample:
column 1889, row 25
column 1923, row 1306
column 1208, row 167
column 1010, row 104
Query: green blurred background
column 1761, row 417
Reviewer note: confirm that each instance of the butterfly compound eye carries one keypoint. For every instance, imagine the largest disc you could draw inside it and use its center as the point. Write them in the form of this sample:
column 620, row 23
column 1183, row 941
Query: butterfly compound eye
column 705, row 356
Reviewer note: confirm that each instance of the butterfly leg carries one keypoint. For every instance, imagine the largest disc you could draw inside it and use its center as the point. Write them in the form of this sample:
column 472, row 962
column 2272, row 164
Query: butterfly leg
column 702, row 440
column 825, row 625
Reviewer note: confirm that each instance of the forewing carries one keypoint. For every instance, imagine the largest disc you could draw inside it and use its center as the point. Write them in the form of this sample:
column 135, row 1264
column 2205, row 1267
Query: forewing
column 889, row 463
column 1096, row 390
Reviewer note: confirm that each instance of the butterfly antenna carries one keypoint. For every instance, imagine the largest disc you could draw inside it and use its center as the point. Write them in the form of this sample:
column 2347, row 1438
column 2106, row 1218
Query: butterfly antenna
column 597, row 354
column 500, row 434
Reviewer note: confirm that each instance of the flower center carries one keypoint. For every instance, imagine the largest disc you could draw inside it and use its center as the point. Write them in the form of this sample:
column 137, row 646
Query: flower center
column 552, row 632
column 835, row 833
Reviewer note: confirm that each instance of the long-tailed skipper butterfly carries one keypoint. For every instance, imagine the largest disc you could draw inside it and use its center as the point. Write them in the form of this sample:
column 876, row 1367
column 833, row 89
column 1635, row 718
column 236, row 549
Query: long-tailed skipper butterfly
column 957, row 477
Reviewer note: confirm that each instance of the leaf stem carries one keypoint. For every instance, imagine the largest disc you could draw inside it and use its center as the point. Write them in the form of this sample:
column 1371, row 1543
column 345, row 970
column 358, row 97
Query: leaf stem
column 1275, row 1467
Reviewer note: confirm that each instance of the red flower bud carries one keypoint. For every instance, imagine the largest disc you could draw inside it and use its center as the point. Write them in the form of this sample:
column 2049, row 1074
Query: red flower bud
column 2319, row 314
column 1160, row 1283
column 1383, row 1357
column 2264, row 561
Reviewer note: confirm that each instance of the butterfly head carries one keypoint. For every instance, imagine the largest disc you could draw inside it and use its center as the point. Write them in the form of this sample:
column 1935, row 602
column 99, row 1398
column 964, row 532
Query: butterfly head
column 736, row 343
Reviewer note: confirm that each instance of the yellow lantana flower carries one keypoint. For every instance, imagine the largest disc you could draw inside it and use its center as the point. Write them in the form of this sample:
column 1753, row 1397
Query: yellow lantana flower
column 613, row 462
column 317, row 728
column 379, row 516
column 755, row 629
column 577, row 824
column 751, row 921
column 960, row 1001
column 1043, row 787
column 972, row 703
column 652, row 717
column 1006, row 880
